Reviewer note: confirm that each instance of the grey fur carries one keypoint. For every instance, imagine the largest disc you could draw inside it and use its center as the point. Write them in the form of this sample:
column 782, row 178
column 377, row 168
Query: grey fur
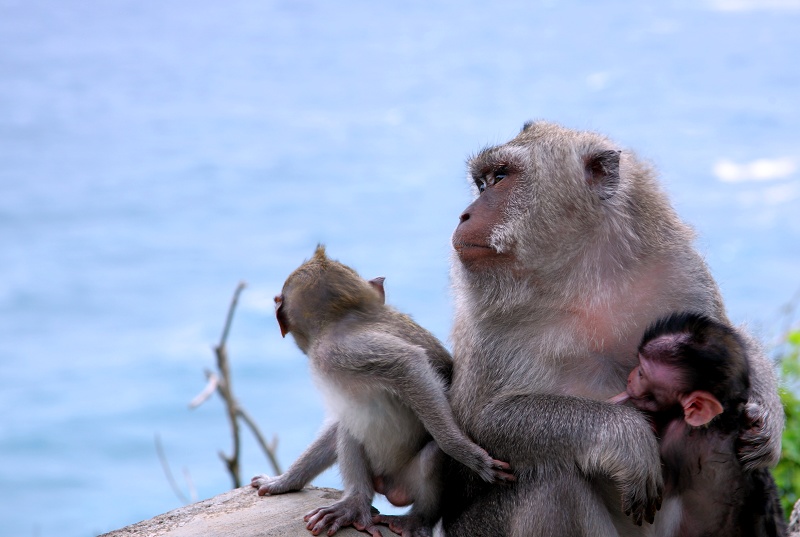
column 385, row 380
column 539, row 343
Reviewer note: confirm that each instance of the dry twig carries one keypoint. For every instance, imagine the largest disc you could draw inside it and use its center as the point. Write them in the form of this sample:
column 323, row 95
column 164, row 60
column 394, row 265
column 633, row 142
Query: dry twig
column 168, row 473
column 221, row 383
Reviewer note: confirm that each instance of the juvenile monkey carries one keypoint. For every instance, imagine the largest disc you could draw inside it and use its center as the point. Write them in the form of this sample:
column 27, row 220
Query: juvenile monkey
column 693, row 380
column 385, row 380
column 568, row 252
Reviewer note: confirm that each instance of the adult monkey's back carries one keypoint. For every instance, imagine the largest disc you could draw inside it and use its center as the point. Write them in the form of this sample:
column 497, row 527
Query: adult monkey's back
column 569, row 251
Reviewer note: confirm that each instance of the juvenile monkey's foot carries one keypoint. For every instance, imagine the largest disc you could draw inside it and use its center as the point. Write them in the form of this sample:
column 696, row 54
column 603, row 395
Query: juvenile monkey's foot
column 405, row 525
column 273, row 484
column 346, row 512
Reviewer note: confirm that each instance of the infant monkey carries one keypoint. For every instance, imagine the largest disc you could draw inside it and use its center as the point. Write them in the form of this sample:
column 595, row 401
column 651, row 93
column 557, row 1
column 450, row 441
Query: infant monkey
column 385, row 380
column 693, row 380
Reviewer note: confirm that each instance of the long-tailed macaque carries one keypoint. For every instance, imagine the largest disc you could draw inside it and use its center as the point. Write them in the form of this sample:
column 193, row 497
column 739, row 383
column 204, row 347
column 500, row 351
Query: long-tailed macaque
column 385, row 380
column 568, row 252
column 693, row 380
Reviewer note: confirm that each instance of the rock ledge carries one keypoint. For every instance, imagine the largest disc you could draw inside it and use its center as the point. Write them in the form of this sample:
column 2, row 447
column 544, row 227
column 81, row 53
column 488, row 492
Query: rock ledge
column 241, row 512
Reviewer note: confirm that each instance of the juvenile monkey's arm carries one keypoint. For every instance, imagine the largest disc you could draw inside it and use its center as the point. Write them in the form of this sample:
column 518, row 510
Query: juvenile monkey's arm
column 760, row 444
column 317, row 457
column 387, row 362
column 538, row 431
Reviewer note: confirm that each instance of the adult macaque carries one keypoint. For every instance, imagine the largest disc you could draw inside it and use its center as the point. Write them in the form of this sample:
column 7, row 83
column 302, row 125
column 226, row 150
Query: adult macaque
column 569, row 251
column 693, row 381
column 385, row 380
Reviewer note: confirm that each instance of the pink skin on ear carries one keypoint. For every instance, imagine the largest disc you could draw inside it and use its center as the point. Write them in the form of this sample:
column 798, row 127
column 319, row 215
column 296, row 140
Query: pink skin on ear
column 700, row 407
column 281, row 316
column 377, row 284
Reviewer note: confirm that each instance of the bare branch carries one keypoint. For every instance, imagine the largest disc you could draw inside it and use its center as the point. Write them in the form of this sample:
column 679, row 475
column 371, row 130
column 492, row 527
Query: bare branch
column 190, row 483
column 168, row 473
column 269, row 450
column 225, row 390
column 231, row 309
column 208, row 391
column 221, row 383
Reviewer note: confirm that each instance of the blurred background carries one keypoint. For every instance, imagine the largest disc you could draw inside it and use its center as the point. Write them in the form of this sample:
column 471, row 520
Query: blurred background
column 155, row 153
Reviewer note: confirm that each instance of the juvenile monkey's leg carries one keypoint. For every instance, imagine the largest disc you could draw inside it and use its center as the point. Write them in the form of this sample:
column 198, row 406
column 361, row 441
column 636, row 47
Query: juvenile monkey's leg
column 317, row 457
column 409, row 375
column 422, row 483
column 354, row 509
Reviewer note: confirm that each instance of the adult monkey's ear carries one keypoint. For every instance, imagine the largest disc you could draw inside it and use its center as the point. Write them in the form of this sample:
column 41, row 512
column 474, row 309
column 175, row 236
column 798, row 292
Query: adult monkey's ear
column 700, row 407
column 601, row 170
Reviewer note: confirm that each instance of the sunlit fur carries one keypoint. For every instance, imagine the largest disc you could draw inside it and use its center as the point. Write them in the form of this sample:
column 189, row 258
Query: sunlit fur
column 591, row 266
column 385, row 380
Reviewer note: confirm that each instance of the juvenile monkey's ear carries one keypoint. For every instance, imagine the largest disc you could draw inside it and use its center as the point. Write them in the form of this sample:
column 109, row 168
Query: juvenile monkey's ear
column 280, row 314
column 601, row 170
column 700, row 407
column 377, row 284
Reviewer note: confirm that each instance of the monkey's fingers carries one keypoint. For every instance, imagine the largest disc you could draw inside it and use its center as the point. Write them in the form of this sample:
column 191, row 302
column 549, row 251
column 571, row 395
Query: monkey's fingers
column 262, row 483
column 275, row 485
column 502, row 471
column 259, row 480
column 643, row 509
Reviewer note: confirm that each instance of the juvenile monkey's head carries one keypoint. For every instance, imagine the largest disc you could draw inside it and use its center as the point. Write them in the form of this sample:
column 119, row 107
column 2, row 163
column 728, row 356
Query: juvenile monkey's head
column 321, row 291
column 691, row 364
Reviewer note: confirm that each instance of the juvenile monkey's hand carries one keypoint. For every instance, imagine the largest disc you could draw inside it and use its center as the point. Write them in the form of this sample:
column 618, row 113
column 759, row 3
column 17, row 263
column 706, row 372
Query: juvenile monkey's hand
column 479, row 461
column 759, row 443
column 274, row 485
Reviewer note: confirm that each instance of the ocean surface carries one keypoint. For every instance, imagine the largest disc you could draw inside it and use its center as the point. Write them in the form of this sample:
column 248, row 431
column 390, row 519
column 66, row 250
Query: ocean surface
column 153, row 154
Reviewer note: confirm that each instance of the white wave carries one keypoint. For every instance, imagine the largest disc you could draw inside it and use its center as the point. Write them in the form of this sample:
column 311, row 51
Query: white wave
column 757, row 170
column 754, row 5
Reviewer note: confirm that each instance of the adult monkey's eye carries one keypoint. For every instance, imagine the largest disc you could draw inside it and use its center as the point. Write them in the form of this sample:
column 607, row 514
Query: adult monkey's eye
column 500, row 174
column 481, row 184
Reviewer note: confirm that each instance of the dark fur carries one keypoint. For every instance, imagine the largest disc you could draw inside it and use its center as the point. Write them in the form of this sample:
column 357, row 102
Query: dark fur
column 701, row 464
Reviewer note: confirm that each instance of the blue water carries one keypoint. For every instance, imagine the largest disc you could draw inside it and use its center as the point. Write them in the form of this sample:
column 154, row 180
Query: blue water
column 154, row 154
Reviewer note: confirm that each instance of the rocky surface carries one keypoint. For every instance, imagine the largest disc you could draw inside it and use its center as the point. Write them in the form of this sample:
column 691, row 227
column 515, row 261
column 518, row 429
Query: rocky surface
column 240, row 513
column 243, row 513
